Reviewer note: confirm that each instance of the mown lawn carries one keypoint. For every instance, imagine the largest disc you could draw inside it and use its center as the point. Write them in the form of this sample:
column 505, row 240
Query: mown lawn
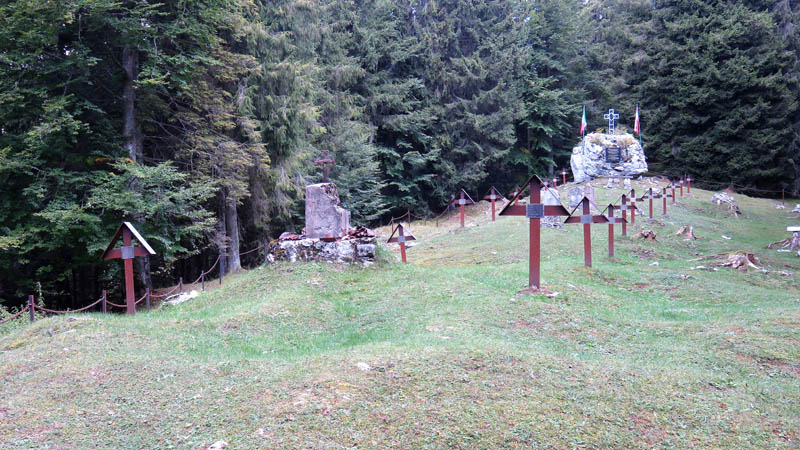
column 443, row 352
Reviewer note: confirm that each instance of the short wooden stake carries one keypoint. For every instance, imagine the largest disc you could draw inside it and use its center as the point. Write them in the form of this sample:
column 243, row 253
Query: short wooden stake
column 31, row 309
column 105, row 309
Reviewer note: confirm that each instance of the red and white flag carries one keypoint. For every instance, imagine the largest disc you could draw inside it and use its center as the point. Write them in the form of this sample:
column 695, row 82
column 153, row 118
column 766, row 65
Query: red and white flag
column 636, row 123
column 583, row 120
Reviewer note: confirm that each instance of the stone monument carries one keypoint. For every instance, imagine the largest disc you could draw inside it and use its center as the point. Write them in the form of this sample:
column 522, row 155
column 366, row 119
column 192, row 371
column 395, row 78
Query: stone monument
column 324, row 216
column 607, row 155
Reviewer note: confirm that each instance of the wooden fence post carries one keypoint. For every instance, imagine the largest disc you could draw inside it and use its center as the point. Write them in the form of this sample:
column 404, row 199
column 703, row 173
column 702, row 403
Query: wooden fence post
column 104, row 301
column 180, row 285
column 30, row 308
column 203, row 281
column 147, row 298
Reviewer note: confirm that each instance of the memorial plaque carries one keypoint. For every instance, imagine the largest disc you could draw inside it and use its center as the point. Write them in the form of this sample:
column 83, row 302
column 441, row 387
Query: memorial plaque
column 613, row 155
column 534, row 211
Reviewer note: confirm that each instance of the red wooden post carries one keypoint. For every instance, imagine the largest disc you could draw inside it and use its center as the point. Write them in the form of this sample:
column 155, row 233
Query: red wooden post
column 673, row 193
column 128, row 263
column 611, row 222
column 586, row 219
column 462, row 200
column 563, row 176
column 127, row 232
column 534, row 211
column 633, row 206
column 650, row 197
column 492, row 196
column 555, row 182
column 624, row 215
column 681, row 186
column 401, row 239
column 664, row 200
column 689, row 185
column 31, row 309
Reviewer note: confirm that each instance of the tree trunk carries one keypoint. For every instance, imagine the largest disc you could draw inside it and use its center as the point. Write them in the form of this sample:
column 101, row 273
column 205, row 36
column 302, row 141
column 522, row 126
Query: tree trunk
column 131, row 131
column 222, row 236
column 232, row 219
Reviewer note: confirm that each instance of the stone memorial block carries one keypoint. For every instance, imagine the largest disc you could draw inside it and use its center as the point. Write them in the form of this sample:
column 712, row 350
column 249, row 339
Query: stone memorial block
column 324, row 216
column 607, row 155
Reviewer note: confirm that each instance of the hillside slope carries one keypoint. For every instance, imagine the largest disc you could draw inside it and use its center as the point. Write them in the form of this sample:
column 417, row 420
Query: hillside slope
column 441, row 352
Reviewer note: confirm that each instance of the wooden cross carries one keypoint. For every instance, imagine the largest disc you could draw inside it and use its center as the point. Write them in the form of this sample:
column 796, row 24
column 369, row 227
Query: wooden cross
column 611, row 117
column 555, row 182
column 650, row 196
column 672, row 186
column 689, row 185
column 401, row 239
column 664, row 197
column 535, row 211
column 611, row 222
column 325, row 161
column 127, row 252
column 586, row 219
column 493, row 195
column 681, row 186
column 563, row 176
column 624, row 208
column 514, row 194
column 461, row 201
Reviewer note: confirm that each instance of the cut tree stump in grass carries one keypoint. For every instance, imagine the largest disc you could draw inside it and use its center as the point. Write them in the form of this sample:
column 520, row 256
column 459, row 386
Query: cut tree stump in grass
column 741, row 260
column 687, row 231
column 647, row 235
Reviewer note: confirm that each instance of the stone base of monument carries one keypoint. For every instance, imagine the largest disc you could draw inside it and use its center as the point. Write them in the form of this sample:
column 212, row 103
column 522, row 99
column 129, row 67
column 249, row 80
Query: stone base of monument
column 327, row 235
column 607, row 155
column 348, row 250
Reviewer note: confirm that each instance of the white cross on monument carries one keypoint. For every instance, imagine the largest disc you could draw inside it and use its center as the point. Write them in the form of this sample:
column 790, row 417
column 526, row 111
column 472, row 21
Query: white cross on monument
column 611, row 117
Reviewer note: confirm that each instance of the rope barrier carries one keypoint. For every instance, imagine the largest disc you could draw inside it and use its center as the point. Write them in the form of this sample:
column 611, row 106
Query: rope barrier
column 69, row 311
column 9, row 319
column 140, row 300
column 250, row 251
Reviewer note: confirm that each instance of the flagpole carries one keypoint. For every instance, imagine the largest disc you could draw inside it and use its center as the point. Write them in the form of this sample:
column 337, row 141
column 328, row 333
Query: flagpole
column 640, row 125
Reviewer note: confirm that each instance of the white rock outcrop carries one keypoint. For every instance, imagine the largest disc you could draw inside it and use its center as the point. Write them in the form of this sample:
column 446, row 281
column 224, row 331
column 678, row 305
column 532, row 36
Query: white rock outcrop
column 607, row 155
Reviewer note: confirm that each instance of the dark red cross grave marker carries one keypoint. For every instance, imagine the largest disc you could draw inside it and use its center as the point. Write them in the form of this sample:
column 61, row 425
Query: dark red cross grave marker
column 515, row 194
column 325, row 161
column 401, row 239
column 681, row 186
column 689, row 184
column 624, row 207
column 563, row 176
column 492, row 196
column 461, row 201
column 127, row 252
column 611, row 222
column 650, row 196
column 664, row 197
column 672, row 186
column 586, row 219
column 535, row 211
column 633, row 206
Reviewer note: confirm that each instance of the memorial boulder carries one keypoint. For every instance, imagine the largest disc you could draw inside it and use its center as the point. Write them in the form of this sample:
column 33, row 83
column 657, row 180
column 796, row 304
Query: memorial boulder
column 607, row 155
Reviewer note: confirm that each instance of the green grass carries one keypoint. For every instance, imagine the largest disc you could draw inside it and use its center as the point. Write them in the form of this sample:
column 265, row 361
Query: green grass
column 628, row 354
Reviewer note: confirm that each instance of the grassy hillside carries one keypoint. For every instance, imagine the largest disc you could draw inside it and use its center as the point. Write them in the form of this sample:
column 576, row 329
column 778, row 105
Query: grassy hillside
column 442, row 352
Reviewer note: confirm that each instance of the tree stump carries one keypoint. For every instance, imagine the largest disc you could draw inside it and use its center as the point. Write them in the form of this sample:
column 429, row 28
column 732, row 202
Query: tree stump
column 687, row 231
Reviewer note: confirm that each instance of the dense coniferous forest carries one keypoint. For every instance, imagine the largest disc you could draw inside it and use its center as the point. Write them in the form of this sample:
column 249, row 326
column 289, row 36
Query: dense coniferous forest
column 199, row 121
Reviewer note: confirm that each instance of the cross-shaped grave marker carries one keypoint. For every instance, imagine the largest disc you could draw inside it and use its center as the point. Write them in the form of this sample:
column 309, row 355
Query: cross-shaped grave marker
column 326, row 162
column 401, row 239
column 624, row 207
column 689, row 185
column 563, row 176
column 515, row 194
column 586, row 219
column 672, row 186
column 650, row 196
column 633, row 206
column 611, row 222
column 461, row 201
column 611, row 117
column 680, row 184
column 493, row 195
column 535, row 211
column 664, row 197
column 127, row 252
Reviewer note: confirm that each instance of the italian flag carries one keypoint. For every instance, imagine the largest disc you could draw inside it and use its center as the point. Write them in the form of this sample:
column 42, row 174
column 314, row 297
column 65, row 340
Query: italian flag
column 636, row 122
column 583, row 120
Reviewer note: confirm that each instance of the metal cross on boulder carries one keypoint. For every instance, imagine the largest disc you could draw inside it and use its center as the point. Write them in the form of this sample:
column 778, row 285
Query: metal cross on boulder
column 611, row 222
column 586, row 219
column 401, row 239
column 326, row 162
column 462, row 200
column 611, row 117
column 493, row 196
column 535, row 211
column 127, row 252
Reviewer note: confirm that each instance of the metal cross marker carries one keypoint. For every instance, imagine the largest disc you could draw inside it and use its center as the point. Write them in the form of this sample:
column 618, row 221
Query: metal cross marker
column 325, row 161
column 127, row 253
column 401, row 239
column 493, row 195
column 586, row 219
column 534, row 212
column 611, row 117
column 611, row 222
column 461, row 202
